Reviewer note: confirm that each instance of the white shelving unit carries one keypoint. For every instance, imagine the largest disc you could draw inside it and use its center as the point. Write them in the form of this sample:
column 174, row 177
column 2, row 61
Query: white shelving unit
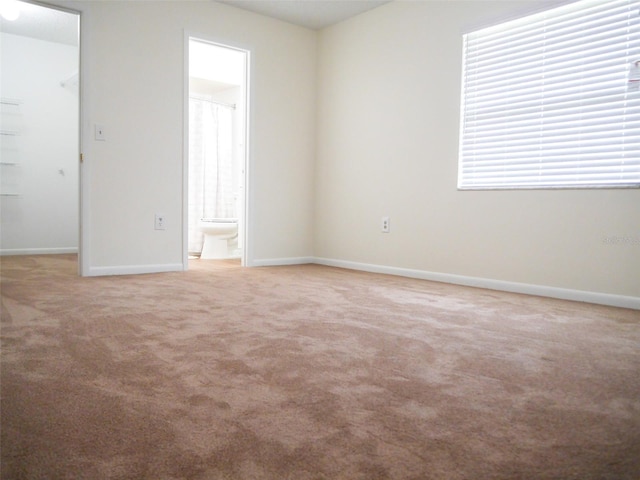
column 11, row 119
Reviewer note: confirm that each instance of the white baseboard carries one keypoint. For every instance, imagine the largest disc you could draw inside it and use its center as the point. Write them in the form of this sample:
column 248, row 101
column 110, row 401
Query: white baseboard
column 274, row 262
column 37, row 251
column 491, row 284
column 515, row 287
column 135, row 269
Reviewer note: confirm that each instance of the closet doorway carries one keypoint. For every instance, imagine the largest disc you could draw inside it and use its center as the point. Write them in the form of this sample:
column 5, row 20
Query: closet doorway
column 39, row 119
column 217, row 151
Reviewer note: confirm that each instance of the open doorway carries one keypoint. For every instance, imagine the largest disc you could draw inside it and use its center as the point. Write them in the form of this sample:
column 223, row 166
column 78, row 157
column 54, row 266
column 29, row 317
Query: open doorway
column 217, row 151
column 40, row 129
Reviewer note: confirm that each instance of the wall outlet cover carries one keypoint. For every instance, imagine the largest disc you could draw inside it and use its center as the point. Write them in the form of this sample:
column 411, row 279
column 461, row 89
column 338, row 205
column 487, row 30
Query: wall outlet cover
column 160, row 222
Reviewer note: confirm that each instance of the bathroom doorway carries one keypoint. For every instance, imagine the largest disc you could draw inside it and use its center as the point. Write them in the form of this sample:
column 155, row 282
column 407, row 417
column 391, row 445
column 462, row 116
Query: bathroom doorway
column 217, row 151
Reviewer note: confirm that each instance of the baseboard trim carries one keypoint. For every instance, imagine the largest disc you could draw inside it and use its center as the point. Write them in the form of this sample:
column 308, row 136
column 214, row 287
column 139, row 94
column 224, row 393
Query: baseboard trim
column 37, row 251
column 479, row 282
column 514, row 287
column 275, row 262
column 134, row 269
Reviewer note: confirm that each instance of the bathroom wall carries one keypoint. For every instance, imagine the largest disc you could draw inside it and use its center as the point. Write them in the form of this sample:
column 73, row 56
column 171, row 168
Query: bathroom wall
column 43, row 215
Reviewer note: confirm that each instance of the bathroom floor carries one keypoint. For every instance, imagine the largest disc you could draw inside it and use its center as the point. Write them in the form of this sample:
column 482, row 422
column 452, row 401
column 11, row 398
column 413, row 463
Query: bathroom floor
column 234, row 254
column 221, row 262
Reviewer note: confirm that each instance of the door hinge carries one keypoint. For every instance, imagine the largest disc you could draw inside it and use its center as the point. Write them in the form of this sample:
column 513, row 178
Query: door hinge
column 81, row 157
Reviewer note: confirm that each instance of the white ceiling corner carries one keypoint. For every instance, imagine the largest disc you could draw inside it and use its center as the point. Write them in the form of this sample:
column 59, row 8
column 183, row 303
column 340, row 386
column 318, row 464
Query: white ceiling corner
column 313, row 14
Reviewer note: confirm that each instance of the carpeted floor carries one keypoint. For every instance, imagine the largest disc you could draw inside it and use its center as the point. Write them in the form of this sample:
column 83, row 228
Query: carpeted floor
column 308, row 372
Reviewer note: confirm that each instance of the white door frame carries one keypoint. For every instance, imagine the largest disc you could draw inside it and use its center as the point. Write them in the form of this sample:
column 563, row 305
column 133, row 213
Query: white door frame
column 83, row 261
column 246, row 256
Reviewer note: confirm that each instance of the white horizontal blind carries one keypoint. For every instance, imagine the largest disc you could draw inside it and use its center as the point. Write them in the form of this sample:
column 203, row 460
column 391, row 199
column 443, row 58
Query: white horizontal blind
column 552, row 100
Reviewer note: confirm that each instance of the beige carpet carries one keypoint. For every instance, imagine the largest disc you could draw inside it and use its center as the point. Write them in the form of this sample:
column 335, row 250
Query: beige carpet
column 308, row 372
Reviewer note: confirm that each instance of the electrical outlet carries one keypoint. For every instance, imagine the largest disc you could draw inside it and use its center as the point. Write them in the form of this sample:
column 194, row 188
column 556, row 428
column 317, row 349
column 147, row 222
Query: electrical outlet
column 385, row 226
column 160, row 222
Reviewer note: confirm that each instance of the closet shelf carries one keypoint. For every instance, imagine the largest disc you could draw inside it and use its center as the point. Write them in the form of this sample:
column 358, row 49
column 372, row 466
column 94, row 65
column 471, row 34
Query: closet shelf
column 10, row 101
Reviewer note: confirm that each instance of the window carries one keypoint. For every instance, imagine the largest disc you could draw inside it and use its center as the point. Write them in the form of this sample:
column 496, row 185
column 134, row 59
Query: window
column 552, row 100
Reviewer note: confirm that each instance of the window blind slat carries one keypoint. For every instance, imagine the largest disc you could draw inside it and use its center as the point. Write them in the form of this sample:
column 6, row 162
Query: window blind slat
column 500, row 130
column 554, row 162
column 587, row 109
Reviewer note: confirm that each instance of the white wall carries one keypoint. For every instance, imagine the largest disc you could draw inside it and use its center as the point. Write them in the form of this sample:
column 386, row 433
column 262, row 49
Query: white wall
column 43, row 218
column 388, row 122
column 133, row 66
column 381, row 139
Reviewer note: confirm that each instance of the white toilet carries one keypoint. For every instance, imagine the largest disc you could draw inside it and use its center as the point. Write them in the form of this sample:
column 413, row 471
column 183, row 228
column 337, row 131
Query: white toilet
column 217, row 233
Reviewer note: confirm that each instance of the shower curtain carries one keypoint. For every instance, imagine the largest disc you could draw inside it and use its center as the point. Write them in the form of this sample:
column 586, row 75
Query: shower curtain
column 211, row 179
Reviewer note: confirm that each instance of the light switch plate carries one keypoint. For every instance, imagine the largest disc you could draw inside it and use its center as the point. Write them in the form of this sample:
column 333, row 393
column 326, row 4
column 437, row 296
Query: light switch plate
column 99, row 132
